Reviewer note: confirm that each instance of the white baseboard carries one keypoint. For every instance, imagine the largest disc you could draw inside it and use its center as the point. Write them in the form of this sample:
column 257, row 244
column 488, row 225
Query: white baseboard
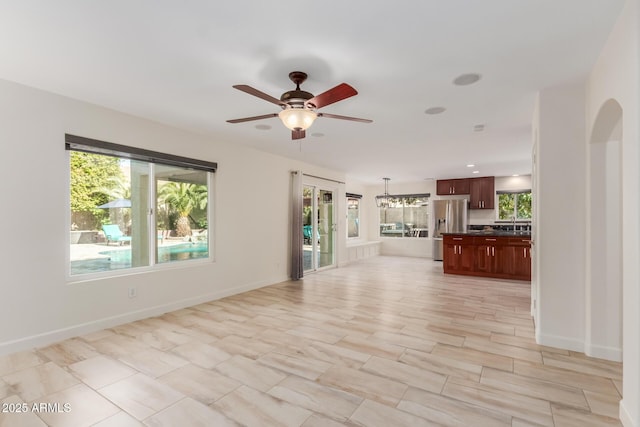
column 50, row 337
column 560, row 342
column 625, row 417
column 602, row 352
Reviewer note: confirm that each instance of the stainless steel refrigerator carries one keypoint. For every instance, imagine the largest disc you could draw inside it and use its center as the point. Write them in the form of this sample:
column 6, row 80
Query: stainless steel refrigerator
column 450, row 216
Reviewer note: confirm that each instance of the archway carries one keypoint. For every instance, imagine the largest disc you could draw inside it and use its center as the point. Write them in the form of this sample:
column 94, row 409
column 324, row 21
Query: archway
column 604, row 248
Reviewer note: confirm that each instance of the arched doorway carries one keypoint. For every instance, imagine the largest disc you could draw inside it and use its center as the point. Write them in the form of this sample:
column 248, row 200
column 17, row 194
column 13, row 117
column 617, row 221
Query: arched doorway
column 604, row 248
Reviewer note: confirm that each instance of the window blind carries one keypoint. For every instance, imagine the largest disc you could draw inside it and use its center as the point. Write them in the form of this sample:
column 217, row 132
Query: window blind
column 88, row 145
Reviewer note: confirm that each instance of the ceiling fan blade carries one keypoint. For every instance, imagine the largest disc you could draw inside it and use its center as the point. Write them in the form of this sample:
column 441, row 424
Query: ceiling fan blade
column 338, row 93
column 248, row 119
column 298, row 134
column 353, row 119
column 259, row 94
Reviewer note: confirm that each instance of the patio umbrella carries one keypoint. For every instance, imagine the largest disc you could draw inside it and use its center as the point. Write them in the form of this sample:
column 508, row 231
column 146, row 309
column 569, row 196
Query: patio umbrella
column 117, row 203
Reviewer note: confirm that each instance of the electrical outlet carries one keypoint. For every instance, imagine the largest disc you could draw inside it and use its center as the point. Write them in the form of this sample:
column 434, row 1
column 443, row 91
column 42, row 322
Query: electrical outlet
column 133, row 292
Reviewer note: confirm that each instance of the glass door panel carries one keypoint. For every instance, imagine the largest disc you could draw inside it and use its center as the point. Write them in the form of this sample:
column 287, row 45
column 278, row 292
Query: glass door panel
column 307, row 227
column 318, row 228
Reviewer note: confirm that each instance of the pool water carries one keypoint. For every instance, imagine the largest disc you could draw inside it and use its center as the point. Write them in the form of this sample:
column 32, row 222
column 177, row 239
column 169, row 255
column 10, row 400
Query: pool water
column 121, row 258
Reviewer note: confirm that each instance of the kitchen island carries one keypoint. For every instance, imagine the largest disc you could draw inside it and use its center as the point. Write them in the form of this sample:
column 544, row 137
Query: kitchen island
column 488, row 253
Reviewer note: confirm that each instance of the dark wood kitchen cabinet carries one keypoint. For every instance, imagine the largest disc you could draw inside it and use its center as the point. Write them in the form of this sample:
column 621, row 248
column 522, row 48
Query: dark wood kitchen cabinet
column 482, row 192
column 491, row 255
column 504, row 257
column 449, row 187
column 458, row 254
column 519, row 258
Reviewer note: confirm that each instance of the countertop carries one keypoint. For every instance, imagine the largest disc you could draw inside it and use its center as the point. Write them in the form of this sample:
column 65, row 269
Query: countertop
column 494, row 233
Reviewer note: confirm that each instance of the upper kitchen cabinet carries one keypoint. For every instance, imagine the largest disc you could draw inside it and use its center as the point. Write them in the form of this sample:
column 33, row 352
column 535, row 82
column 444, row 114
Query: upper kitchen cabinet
column 449, row 187
column 482, row 192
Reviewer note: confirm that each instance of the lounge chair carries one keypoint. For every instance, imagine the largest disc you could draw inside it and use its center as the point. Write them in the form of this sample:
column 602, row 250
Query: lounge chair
column 307, row 231
column 113, row 233
column 199, row 235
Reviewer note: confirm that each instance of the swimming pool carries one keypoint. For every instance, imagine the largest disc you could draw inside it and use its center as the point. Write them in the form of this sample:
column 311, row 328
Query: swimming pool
column 118, row 259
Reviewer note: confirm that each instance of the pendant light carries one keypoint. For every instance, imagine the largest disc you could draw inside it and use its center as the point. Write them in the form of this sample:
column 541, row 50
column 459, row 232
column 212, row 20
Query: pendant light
column 384, row 200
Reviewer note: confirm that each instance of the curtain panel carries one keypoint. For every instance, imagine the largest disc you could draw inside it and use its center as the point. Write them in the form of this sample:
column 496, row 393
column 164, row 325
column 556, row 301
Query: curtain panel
column 296, row 225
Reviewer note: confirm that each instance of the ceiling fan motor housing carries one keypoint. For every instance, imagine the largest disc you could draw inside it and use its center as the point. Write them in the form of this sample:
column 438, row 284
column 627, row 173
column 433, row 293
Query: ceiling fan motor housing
column 296, row 97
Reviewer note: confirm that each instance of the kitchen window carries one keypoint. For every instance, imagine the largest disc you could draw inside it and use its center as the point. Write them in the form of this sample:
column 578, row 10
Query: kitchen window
column 405, row 216
column 514, row 205
column 132, row 208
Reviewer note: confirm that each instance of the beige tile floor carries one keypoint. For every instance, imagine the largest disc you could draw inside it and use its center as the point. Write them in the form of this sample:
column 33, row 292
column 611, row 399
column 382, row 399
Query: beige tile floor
column 383, row 342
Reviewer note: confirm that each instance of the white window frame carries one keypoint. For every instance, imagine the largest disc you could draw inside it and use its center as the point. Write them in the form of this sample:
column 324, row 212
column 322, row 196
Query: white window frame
column 357, row 198
column 515, row 205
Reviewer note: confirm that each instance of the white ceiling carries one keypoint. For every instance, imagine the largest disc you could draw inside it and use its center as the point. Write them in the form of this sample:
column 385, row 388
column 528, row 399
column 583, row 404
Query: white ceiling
column 175, row 62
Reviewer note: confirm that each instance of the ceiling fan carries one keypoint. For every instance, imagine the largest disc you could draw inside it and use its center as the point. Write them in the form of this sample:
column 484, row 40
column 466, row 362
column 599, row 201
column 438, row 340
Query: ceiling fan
column 299, row 107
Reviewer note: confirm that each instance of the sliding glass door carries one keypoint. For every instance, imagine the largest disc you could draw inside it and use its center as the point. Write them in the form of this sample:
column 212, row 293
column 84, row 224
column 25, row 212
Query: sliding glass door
column 319, row 227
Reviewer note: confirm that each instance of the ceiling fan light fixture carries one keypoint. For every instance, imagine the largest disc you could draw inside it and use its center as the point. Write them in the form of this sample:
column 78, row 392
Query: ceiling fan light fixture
column 297, row 118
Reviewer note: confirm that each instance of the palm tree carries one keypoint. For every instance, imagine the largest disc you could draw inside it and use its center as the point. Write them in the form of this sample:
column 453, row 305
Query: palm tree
column 183, row 198
column 116, row 187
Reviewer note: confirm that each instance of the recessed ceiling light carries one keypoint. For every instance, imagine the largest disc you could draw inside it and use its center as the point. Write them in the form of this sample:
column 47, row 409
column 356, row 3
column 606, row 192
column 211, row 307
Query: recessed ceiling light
column 466, row 79
column 475, row 172
column 318, row 134
column 470, row 165
column 478, row 128
column 435, row 110
column 515, row 174
column 263, row 127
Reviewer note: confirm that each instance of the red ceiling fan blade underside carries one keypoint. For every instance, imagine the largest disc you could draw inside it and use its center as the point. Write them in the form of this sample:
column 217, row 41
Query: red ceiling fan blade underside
column 338, row 93
column 248, row 119
column 259, row 94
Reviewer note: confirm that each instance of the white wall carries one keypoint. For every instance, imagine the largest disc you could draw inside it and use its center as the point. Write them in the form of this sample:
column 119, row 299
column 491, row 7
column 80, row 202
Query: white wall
column 563, row 123
column 604, row 246
column 559, row 227
column 250, row 225
column 615, row 76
